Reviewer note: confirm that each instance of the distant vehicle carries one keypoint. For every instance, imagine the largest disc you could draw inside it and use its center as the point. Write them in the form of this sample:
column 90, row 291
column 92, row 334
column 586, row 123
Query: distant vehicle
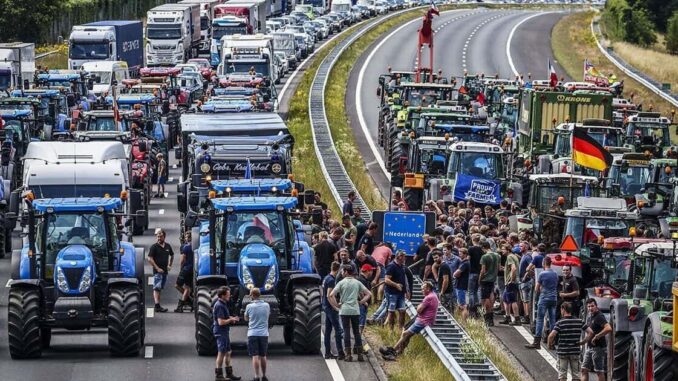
column 107, row 41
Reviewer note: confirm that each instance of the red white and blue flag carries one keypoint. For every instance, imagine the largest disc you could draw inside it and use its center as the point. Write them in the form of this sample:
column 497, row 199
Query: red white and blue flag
column 434, row 9
column 553, row 77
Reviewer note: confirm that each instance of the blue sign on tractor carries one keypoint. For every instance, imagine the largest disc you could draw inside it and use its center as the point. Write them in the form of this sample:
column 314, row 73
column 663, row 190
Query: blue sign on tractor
column 404, row 230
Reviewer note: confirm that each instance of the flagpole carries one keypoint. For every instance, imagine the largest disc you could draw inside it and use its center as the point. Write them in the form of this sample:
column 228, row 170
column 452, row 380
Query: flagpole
column 572, row 165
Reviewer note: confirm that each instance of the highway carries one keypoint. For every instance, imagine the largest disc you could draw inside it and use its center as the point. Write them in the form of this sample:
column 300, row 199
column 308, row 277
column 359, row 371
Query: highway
column 478, row 41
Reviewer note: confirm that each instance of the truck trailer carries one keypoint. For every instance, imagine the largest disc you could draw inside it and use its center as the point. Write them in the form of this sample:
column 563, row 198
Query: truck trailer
column 17, row 63
column 206, row 18
column 107, row 41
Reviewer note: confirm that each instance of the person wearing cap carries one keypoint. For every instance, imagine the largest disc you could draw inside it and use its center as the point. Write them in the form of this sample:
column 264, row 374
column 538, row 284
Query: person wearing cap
column 352, row 294
column 366, row 273
column 362, row 259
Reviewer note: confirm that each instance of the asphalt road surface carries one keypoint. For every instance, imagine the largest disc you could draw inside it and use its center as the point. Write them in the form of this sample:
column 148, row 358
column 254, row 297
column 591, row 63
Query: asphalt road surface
column 169, row 352
column 477, row 41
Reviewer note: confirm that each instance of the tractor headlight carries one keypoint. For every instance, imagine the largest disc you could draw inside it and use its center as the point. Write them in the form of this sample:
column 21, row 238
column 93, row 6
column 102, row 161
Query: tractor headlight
column 85, row 281
column 270, row 279
column 247, row 278
column 61, row 280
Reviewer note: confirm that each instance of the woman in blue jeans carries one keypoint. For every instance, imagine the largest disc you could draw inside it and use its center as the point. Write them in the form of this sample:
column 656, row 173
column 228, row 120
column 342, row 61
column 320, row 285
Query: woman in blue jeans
column 547, row 288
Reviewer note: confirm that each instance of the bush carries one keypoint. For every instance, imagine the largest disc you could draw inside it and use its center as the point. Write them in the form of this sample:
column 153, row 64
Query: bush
column 628, row 23
column 672, row 34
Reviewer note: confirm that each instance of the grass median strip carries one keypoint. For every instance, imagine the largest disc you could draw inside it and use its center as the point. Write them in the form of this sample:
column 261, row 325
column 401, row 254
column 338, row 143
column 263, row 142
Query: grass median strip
column 572, row 41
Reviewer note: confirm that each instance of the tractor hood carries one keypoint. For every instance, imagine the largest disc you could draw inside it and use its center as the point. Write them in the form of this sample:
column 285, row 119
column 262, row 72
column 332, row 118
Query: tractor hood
column 74, row 271
column 258, row 267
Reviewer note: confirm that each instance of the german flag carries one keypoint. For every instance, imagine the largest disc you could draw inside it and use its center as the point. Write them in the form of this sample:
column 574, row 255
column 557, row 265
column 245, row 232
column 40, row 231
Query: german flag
column 587, row 152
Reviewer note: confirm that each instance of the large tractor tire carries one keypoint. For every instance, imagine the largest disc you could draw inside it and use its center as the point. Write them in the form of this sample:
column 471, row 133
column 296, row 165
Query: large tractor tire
column 307, row 320
column 633, row 363
column 205, row 343
column 618, row 352
column 413, row 198
column 4, row 237
column 658, row 364
column 23, row 323
column 125, row 321
column 394, row 165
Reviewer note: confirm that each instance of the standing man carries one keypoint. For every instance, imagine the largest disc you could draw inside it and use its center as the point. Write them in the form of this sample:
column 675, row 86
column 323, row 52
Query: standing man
column 349, row 234
column 568, row 329
column 185, row 279
column 547, row 288
column 474, row 255
column 489, row 269
column 366, row 272
column 597, row 328
column 367, row 241
column 526, row 282
column 324, row 254
column 256, row 314
column 442, row 274
column 396, row 286
column 162, row 175
column 332, row 316
column 352, row 294
column 347, row 209
column 426, row 317
column 220, row 328
column 510, row 296
column 461, row 274
column 569, row 290
column 160, row 257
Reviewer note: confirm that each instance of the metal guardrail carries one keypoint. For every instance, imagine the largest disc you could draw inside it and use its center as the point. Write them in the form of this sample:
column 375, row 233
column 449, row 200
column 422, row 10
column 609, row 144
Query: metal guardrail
column 460, row 355
column 630, row 71
column 43, row 55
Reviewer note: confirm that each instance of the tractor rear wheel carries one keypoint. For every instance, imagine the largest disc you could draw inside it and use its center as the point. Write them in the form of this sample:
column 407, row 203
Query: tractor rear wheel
column 4, row 237
column 658, row 364
column 633, row 363
column 394, row 165
column 618, row 367
column 125, row 321
column 205, row 342
column 23, row 323
column 307, row 320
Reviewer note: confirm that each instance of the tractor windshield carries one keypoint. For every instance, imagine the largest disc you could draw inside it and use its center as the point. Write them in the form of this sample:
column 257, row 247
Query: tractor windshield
column 477, row 164
column 621, row 271
column 630, row 179
column 62, row 230
column 433, row 161
column 649, row 133
column 656, row 274
column 243, row 228
column 587, row 230
column 546, row 195
column 102, row 124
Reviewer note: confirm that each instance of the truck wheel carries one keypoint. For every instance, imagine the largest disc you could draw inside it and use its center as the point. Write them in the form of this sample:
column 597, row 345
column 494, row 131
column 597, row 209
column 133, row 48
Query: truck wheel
column 23, row 323
column 618, row 348
column 413, row 198
column 125, row 321
column 658, row 362
column 3, row 236
column 205, row 343
column 307, row 326
column 45, row 337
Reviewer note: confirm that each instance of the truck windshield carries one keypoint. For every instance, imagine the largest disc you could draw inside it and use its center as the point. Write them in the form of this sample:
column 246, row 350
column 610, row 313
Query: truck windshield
column 103, row 77
column 477, row 164
column 243, row 228
column 204, row 23
column 61, row 230
column 260, row 67
column 5, row 80
column 630, row 179
column 82, row 50
column 163, row 32
column 80, row 190
column 227, row 30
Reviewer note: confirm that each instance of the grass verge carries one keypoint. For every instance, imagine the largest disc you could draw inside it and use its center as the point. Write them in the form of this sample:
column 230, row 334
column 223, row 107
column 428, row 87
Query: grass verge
column 572, row 41
column 646, row 60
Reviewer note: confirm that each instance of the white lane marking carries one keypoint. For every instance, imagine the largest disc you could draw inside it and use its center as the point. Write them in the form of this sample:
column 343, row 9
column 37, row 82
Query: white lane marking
column 148, row 352
column 166, row 194
column 161, row 211
column 359, row 101
column 550, row 359
column 332, row 364
column 8, row 283
column 150, row 312
column 510, row 37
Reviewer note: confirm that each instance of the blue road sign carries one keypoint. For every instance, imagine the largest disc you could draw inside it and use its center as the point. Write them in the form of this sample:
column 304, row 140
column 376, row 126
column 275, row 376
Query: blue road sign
column 404, row 230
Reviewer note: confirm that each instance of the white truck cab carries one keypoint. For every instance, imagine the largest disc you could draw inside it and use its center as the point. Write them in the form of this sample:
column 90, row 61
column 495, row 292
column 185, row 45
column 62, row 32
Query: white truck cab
column 104, row 73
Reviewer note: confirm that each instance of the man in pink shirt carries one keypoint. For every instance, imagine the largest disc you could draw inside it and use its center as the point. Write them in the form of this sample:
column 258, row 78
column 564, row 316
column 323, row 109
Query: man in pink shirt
column 426, row 317
column 382, row 254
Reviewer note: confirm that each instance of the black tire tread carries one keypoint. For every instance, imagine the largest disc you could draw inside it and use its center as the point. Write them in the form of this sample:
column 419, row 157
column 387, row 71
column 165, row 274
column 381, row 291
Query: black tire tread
column 125, row 321
column 622, row 343
column 307, row 320
column 23, row 323
column 205, row 343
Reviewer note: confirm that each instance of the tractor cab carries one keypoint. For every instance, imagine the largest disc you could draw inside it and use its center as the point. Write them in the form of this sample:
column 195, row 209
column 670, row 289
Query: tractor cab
column 389, row 83
column 53, row 106
column 462, row 127
column 102, row 124
column 425, row 94
column 627, row 176
column 654, row 198
column 32, row 121
column 81, row 272
column 74, row 84
column 649, row 132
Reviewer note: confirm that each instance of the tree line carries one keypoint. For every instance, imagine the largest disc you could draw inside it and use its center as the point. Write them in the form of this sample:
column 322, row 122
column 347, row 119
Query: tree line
column 639, row 21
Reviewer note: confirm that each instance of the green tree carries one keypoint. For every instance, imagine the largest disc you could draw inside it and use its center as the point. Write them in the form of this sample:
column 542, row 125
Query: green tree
column 26, row 21
column 638, row 27
column 672, row 34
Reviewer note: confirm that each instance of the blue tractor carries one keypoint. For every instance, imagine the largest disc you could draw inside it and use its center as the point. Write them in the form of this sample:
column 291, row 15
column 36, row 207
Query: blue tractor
column 75, row 272
column 253, row 241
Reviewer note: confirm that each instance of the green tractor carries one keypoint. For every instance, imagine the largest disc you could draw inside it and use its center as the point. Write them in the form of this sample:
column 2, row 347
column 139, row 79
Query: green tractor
column 637, row 348
column 649, row 132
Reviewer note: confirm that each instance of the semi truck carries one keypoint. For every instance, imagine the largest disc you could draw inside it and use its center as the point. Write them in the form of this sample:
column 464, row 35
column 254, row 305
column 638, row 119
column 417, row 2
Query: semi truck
column 226, row 26
column 541, row 111
column 172, row 33
column 261, row 10
column 206, row 18
column 120, row 40
column 242, row 53
column 339, row 6
column 17, row 63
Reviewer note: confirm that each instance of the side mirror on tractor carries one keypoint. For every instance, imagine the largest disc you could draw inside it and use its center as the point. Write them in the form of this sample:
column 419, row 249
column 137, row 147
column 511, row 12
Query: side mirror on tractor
column 191, row 219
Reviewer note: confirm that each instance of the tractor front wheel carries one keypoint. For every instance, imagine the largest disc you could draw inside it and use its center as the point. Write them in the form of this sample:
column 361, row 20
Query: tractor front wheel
column 125, row 321
column 617, row 351
column 307, row 320
column 658, row 364
column 23, row 323
column 205, row 343
column 633, row 363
